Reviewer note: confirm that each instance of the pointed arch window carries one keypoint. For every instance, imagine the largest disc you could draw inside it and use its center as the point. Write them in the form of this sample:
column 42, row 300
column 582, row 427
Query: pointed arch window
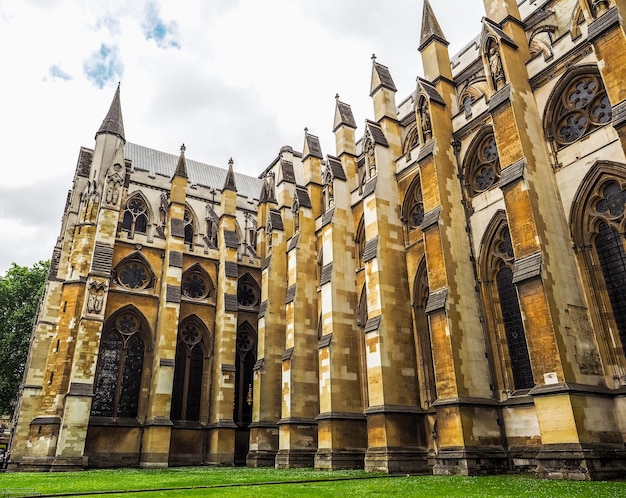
column 413, row 206
column 426, row 367
column 504, row 317
column 359, row 238
column 192, row 351
column 579, row 107
column 135, row 216
column 188, row 228
column 598, row 224
column 483, row 171
column 244, row 373
column 119, row 369
column 248, row 292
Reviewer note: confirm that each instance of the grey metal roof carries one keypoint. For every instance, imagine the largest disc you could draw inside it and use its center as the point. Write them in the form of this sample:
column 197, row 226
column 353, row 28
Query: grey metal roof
column 161, row 163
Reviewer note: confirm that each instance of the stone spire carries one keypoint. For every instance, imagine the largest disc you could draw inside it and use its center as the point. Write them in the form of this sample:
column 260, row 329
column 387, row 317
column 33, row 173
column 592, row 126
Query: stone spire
column 181, row 167
column 229, row 183
column 430, row 27
column 113, row 122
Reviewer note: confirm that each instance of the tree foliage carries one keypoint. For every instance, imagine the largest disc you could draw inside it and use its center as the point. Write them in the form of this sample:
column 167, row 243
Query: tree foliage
column 20, row 291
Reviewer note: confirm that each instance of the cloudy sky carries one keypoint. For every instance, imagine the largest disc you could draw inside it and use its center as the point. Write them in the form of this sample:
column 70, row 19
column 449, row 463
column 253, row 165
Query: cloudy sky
column 236, row 78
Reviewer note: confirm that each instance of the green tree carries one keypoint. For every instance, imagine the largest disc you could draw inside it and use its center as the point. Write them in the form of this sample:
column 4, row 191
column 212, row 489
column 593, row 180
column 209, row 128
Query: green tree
column 20, row 291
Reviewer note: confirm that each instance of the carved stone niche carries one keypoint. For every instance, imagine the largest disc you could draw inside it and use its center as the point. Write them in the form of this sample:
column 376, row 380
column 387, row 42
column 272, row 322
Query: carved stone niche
column 95, row 296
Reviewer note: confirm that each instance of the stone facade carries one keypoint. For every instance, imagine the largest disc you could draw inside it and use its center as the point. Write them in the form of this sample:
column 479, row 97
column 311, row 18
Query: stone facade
column 444, row 294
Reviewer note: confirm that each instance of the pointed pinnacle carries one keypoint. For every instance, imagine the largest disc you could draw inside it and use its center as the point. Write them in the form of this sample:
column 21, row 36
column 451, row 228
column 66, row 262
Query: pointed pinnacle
column 430, row 27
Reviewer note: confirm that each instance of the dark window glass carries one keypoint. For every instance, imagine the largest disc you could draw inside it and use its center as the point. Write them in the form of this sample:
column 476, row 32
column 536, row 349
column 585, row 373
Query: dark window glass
column 514, row 329
column 610, row 248
column 118, row 377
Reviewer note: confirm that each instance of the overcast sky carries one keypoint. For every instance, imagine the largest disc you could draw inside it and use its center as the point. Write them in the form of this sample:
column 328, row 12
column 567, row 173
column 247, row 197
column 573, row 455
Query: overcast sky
column 236, row 78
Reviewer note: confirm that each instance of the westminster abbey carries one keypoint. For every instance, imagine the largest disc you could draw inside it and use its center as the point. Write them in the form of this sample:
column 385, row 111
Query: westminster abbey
column 445, row 293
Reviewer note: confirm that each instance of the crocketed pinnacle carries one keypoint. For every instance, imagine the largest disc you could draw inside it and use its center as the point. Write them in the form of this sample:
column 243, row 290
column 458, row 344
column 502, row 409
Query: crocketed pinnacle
column 430, row 27
column 113, row 122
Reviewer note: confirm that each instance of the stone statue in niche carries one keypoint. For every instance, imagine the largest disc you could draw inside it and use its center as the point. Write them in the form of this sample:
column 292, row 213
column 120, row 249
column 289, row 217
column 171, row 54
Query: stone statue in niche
column 495, row 66
column 427, row 131
column 371, row 157
column 114, row 187
column 95, row 299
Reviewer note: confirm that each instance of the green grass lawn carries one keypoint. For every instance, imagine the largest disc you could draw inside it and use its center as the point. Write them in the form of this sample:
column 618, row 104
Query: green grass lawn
column 202, row 478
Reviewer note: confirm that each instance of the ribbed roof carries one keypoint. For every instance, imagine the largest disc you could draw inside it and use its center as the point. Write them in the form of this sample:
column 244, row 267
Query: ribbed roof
column 161, row 163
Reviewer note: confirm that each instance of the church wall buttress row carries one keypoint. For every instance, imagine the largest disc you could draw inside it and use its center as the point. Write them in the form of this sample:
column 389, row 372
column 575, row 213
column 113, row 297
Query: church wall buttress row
column 442, row 295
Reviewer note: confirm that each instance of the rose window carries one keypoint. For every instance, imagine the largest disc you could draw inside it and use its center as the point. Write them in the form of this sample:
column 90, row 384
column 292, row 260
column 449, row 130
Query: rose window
column 245, row 341
column 583, row 107
column 485, row 170
column 127, row 324
column 191, row 334
column 195, row 285
column 247, row 295
column 134, row 275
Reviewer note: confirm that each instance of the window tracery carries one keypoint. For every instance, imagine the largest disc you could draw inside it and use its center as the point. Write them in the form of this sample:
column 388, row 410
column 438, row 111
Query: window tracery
column 120, row 365
column 188, row 373
column 135, row 216
column 133, row 273
column 503, row 313
column 484, row 167
column 188, row 227
column 582, row 107
column 413, row 208
column 196, row 284
column 247, row 292
column 244, row 373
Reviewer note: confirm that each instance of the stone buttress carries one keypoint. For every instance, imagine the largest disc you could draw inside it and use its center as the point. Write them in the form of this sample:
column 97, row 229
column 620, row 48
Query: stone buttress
column 342, row 432
column 300, row 399
column 395, row 441
column 271, row 336
column 221, row 424
column 467, row 432
column 568, row 408
column 157, row 429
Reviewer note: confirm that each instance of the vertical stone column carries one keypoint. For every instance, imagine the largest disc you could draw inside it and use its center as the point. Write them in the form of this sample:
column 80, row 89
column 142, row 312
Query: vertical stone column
column 158, row 427
column 300, row 399
column 222, row 427
column 266, row 406
column 342, row 429
column 458, row 345
column 394, row 442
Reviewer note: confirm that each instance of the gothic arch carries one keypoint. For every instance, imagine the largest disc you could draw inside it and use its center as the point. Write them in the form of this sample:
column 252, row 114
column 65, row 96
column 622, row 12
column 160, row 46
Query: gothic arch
column 413, row 205
column 134, row 272
column 598, row 224
column 471, row 92
column 577, row 106
column 137, row 214
column 540, row 41
column 244, row 373
column 190, row 226
column 248, row 291
column 196, row 283
column 412, row 139
column 426, row 367
column 359, row 239
column 578, row 18
column 122, row 371
column 503, row 317
column 190, row 391
column 481, row 166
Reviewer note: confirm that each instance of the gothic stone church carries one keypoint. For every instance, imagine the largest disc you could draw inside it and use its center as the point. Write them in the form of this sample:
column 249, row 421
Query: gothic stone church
column 445, row 294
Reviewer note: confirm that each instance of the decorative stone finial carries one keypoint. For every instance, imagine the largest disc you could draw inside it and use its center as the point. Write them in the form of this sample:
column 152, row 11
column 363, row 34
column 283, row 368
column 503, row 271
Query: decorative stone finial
column 183, row 149
column 374, row 57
